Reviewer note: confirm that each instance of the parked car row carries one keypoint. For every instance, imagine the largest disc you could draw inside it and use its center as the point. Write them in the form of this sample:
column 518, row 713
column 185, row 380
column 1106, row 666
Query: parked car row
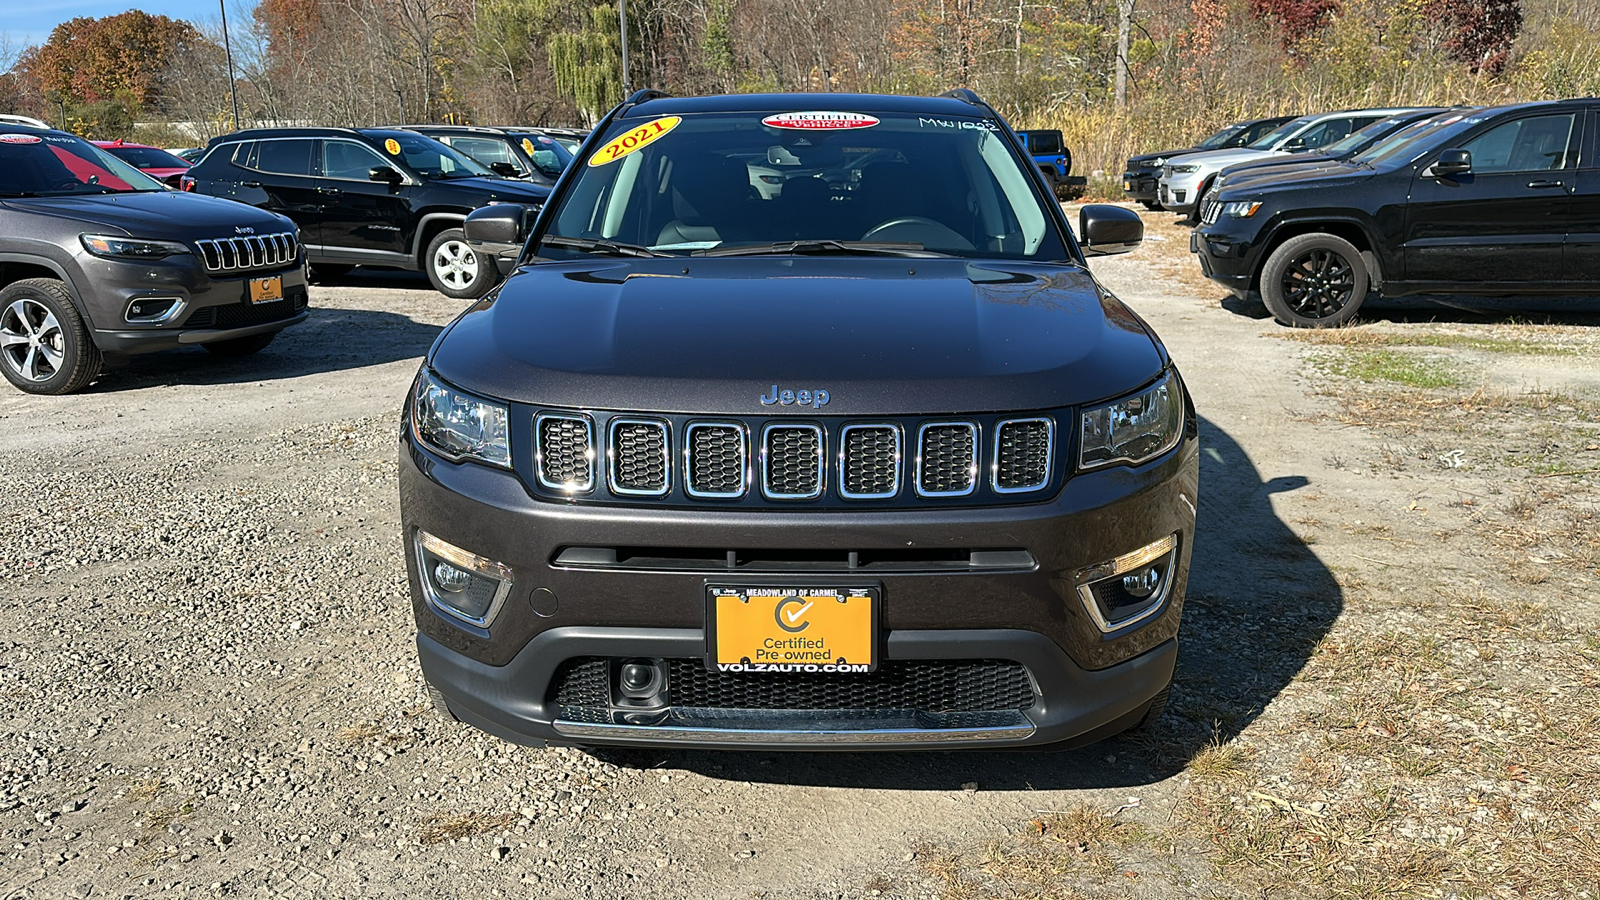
column 1498, row 202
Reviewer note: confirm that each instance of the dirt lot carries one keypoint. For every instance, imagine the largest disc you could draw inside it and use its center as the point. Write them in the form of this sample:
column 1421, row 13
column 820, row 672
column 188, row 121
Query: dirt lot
column 1388, row 688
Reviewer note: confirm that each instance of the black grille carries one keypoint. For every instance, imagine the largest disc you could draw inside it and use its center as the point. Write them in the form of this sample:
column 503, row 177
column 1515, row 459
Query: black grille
column 566, row 457
column 926, row 685
column 947, row 459
column 638, row 457
column 716, row 460
column 243, row 315
column 871, row 463
column 1022, row 455
column 792, row 461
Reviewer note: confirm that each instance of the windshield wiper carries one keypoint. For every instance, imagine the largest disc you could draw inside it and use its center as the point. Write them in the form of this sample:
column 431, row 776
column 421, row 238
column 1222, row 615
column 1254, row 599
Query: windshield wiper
column 823, row 247
column 589, row 245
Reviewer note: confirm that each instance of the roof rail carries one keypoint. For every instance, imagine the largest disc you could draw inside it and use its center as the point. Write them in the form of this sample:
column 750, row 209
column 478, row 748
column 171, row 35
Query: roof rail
column 638, row 97
column 965, row 95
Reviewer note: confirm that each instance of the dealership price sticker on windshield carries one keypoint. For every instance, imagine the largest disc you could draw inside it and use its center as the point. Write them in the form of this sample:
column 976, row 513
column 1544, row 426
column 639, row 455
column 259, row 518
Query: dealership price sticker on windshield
column 637, row 139
column 819, row 121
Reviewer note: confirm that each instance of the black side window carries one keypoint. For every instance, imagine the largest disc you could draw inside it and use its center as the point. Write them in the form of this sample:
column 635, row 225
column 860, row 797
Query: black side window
column 1533, row 144
column 284, row 157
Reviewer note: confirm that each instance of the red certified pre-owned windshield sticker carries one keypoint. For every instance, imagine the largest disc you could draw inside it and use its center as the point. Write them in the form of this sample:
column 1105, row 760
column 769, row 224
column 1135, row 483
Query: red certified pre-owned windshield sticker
column 19, row 139
column 819, row 121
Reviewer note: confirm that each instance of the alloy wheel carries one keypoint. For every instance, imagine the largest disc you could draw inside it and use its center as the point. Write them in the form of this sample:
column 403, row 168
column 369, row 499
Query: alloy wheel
column 31, row 340
column 1318, row 283
column 455, row 265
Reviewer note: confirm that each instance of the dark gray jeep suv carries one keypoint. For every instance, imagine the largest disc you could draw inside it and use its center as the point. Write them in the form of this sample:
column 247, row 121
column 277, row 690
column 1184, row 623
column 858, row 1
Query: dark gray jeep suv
column 98, row 259
column 871, row 461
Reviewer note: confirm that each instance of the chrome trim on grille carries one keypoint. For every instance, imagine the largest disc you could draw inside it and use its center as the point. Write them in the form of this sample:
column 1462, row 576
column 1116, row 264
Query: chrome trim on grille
column 1049, row 454
column 972, row 468
column 814, row 727
column 240, row 254
column 539, row 452
column 688, row 460
column 666, row 457
column 899, row 457
column 822, row 460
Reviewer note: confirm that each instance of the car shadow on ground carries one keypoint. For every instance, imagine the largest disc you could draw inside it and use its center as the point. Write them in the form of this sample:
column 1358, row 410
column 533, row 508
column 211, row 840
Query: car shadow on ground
column 1259, row 601
column 328, row 340
column 1458, row 310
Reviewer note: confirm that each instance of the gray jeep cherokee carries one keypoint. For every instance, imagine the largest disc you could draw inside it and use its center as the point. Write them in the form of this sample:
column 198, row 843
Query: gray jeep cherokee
column 99, row 260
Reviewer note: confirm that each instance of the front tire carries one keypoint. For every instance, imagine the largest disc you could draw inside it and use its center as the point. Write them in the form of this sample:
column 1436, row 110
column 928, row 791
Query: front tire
column 455, row 270
column 243, row 346
column 44, row 346
column 1315, row 280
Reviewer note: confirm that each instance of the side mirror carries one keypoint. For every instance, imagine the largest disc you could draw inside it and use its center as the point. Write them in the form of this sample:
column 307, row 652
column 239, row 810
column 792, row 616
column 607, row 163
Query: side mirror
column 1108, row 230
column 1295, row 146
column 1452, row 163
column 499, row 231
column 384, row 173
column 504, row 169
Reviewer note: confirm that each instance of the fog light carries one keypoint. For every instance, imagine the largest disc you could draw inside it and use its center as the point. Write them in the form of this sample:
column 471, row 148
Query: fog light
column 461, row 585
column 149, row 310
column 1131, row 588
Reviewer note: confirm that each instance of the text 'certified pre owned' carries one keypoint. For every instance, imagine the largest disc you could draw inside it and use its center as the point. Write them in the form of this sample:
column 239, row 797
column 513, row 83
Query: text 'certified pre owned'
column 635, row 139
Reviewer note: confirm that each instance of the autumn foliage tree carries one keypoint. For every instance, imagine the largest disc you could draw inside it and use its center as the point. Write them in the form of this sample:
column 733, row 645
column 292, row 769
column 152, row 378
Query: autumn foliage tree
column 118, row 57
column 1481, row 31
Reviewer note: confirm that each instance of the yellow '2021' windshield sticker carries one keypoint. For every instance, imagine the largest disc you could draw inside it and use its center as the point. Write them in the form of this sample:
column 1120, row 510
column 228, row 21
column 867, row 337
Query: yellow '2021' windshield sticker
column 635, row 139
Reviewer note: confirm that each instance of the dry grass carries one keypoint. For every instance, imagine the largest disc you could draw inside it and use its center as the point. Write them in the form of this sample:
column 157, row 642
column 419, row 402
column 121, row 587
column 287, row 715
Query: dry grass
column 441, row 827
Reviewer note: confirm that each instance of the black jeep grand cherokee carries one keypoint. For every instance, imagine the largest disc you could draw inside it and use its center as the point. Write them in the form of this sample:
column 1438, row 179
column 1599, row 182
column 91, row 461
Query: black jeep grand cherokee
column 99, row 260
column 872, row 463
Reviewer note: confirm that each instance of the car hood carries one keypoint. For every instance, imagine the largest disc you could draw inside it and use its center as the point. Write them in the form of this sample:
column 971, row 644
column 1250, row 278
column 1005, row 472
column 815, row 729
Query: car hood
column 160, row 215
column 1147, row 158
column 1220, row 159
column 881, row 336
column 1291, row 178
column 494, row 188
column 1282, row 167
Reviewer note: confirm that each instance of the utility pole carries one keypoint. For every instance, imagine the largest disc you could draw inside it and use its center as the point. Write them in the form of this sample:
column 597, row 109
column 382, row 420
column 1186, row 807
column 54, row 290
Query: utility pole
column 227, row 45
column 1124, row 25
column 622, row 14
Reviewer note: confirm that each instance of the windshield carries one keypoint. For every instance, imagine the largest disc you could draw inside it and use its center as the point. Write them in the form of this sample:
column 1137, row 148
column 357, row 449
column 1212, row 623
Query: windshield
column 147, row 157
column 1222, row 137
column 1278, row 135
column 431, row 158
column 1424, row 132
column 725, row 180
column 53, row 164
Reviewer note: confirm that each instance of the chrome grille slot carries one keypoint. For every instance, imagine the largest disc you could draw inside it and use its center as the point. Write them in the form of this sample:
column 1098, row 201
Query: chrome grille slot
column 715, row 460
column 639, row 455
column 1023, row 449
column 947, row 461
column 869, row 461
column 565, row 451
column 791, row 462
column 242, row 254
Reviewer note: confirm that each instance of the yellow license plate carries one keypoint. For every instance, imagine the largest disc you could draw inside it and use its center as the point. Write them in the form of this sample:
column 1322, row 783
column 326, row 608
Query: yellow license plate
column 1127, row 185
column 770, row 630
column 266, row 290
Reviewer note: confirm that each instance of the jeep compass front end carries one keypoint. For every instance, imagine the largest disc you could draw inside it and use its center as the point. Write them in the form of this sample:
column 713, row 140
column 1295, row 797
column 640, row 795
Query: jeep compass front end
column 872, row 461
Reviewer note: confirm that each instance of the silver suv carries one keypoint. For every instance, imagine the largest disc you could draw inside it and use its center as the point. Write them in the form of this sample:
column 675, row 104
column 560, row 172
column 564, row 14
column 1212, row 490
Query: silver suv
column 1186, row 179
column 97, row 259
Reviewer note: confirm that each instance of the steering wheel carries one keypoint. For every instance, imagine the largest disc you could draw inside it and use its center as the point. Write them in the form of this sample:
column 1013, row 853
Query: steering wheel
column 70, row 184
column 918, row 229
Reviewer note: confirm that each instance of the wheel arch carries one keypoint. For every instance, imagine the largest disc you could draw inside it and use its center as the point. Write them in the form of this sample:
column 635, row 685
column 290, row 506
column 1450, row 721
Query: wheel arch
column 15, row 267
column 428, row 227
column 1349, row 229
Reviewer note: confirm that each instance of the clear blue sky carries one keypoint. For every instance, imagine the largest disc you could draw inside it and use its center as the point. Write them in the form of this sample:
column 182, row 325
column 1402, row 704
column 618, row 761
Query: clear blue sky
column 30, row 21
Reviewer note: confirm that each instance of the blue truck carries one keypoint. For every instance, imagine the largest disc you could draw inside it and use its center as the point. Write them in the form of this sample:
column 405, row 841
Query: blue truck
column 1054, row 160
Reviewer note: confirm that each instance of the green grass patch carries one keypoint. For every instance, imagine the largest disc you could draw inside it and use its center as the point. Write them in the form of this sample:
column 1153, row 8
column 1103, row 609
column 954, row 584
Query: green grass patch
column 1355, row 337
column 1394, row 366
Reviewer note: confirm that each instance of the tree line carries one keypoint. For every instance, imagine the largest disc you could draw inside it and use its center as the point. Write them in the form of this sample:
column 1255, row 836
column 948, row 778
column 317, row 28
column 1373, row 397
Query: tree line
column 1115, row 75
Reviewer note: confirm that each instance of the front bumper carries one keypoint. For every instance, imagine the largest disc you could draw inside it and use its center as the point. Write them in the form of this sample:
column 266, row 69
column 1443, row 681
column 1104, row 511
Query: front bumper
column 1144, row 186
column 213, row 307
column 1179, row 192
column 1228, row 259
column 1088, row 683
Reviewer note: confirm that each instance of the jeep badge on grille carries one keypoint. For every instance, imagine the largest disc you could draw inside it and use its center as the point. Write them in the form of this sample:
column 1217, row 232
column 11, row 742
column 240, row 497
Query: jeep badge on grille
column 816, row 399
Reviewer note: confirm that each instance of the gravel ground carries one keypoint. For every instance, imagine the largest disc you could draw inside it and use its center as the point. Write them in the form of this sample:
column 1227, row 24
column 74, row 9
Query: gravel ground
column 208, row 684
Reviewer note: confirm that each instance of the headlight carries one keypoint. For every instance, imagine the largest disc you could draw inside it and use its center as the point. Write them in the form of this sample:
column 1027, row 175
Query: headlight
column 1241, row 209
column 1185, row 169
column 459, row 425
column 1135, row 429
column 1158, row 162
column 114, row 247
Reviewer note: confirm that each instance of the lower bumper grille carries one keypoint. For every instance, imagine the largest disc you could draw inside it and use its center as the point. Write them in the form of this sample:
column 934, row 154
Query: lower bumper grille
column 242, row 315
column 931, row 686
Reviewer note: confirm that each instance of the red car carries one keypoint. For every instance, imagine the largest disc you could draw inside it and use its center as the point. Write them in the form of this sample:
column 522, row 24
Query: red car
column 153, row 161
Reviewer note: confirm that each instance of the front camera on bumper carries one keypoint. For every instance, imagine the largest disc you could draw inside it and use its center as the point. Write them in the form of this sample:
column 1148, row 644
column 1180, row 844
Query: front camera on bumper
column 1131, row 588
column 461, row 585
